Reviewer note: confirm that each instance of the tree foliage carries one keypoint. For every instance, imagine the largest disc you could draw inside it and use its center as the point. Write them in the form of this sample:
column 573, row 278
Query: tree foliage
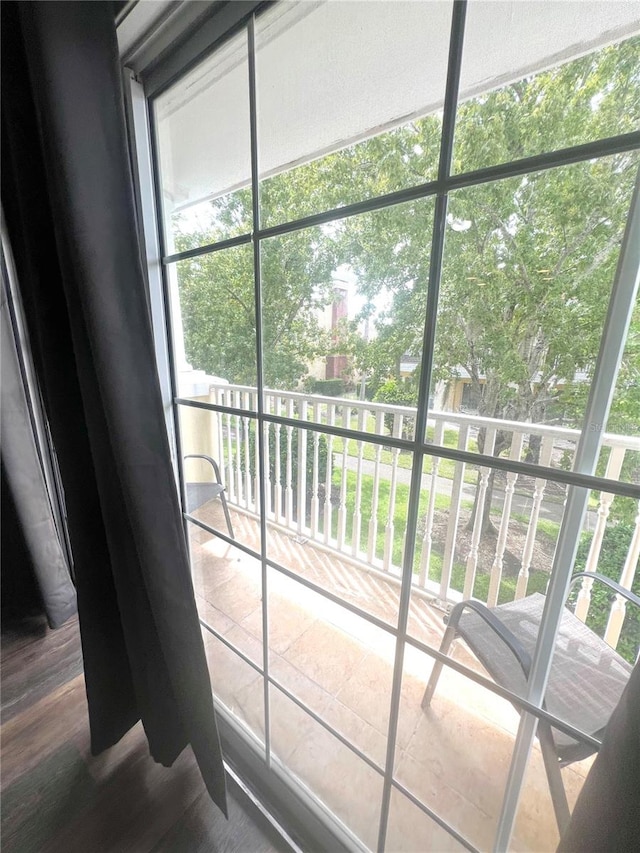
column 614, row 551
column 218, row 305
column 528, row 266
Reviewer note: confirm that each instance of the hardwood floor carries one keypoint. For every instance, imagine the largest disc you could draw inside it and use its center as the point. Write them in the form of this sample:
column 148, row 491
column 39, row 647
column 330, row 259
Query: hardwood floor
column 56, row 797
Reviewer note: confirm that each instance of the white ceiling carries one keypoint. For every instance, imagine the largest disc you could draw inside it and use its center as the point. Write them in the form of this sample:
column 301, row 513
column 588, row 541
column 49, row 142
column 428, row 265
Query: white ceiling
column 331, row 73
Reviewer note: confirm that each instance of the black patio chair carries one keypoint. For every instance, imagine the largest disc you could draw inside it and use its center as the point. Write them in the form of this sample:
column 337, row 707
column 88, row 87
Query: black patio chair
column 199, row 494
column 586, row 680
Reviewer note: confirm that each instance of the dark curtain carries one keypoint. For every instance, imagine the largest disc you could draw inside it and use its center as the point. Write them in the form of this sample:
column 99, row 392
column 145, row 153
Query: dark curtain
column 68, row 200
column 606, row 816
column 35, row 572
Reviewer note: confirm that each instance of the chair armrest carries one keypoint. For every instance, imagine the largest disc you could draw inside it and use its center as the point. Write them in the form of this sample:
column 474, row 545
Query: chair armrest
column 596, row 576
column 508, row 637
column 214, row 464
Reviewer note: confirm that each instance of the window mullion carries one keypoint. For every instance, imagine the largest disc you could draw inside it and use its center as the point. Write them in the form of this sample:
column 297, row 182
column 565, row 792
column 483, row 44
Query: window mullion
column 435, row 271
column 612, row 343
column 257, row 279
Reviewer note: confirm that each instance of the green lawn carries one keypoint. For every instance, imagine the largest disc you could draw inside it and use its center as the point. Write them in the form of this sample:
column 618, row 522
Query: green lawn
column 446, row 468
column 384, row 494
column 537, row 580
column 547, row 528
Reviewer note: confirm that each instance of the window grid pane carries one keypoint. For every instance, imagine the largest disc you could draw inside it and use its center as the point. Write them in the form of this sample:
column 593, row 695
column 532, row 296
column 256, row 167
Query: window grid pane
column 391, row 416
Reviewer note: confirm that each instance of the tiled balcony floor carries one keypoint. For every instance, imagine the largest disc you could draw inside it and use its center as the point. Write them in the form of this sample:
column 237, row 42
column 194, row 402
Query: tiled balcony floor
column 455, row 757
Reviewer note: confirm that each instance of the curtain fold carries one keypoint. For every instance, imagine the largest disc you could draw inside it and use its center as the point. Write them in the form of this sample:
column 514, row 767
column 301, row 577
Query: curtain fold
column 37, row 549
column 68, row 198
column 606, row 815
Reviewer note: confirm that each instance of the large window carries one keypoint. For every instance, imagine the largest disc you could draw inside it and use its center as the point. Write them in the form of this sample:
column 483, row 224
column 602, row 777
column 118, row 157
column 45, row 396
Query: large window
column 405, row 342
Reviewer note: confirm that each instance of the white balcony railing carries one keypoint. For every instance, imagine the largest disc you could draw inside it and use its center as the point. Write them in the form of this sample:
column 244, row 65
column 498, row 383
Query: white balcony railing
column 349, row 506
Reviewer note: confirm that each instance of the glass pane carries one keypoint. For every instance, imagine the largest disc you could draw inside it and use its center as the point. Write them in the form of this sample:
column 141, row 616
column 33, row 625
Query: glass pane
column 410, row 829
column 351, row 101
column 597, row 642
column 214, row 326
column 533, row 89
column 204, row 152
column 454, row 755
column 344, row 307
column 349, row 788
column 610, row 545
column 620, row 454
column 535, row 825
column 483, row 534
column 336, row 663
column 337, row 514
column 528, row 268
column 497, row 544
column 236, row 685
column 220, row 450
column 227, row 586
column 494, row 539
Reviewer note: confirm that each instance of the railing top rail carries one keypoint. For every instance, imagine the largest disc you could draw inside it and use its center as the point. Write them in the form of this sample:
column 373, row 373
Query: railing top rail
column 454, row 418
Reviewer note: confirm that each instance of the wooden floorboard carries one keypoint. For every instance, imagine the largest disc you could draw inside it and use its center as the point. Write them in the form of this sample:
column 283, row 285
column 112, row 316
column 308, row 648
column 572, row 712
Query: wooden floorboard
column 57, row 797
column 35, row 661
column 200, row 824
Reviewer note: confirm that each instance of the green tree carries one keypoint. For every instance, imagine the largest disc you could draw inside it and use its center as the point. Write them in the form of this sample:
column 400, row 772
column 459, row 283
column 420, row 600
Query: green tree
column 218, row 307
column 528, row 262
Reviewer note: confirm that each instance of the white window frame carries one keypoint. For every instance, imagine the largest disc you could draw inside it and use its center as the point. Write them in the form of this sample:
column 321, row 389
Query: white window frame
column 308, row 817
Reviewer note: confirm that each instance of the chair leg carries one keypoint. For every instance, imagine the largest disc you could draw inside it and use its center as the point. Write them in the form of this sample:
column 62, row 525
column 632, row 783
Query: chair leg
column 226, row 514
column 449, row 636
column 554, row 777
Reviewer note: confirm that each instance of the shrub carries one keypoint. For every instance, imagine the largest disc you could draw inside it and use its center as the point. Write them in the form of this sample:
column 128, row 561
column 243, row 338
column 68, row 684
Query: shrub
column 329, row 387
column 615, row 547
column 284, row 453
column 397, row 394
column 623, row 509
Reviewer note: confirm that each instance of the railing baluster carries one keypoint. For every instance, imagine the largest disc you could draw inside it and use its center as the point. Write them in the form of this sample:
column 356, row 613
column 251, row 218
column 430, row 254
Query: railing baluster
column 220, row 442
column 288, row 500
column 454, row 517
column 357, row 511
column 315, row 484
column 215, row 445
column 269, row 452
column 246, row 427
column 517, row 440
column 277, row 488
column 218, row 446
column 253, row 430
column 614, row 467
column 375, row 496
column 427, row 537
column 231, row 480
column 268, row 486
column 389, row 531
column 619, row 606
column 233, row 434
column 301, row 478
column 238, row 432
column 342, row 509
column 328, row 508
column 483, row 481
column 538, row 494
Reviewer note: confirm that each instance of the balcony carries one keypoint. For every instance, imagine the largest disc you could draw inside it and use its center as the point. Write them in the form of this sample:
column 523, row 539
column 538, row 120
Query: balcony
column 335, row 520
